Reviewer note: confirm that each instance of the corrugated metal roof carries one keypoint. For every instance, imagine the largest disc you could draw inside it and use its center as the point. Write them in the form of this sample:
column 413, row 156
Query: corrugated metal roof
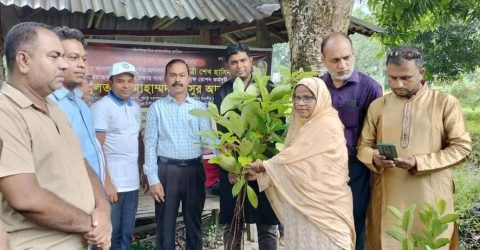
column 244, row 11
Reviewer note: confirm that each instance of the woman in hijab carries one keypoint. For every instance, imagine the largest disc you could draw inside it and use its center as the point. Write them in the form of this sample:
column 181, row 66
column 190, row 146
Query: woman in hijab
column 307, row 182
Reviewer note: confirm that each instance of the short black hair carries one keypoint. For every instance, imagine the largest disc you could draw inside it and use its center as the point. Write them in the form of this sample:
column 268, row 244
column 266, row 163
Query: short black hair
column 22, row 36
column 235, row 49
column 331, row 36
column 400, row 54
column 65, row 33
column 176, row 60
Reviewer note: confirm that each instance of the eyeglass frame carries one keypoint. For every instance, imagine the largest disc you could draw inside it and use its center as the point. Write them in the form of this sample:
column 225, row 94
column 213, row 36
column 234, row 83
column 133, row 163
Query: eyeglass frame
column 306, row 99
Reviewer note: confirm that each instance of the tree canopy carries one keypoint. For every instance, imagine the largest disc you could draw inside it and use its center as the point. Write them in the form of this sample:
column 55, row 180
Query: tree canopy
column 448, row 31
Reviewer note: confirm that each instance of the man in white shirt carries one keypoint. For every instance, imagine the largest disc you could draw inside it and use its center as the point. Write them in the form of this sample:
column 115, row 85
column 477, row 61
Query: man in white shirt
column 117, row 125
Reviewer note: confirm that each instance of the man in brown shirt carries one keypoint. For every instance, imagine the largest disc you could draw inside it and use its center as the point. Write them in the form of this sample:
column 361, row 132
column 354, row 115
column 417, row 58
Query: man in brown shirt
column 3, row 236
column 49, row 198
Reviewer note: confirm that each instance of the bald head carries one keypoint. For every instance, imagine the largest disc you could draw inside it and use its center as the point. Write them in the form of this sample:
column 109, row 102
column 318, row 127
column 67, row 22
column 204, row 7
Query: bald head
column 338, row 57
column 335, row 38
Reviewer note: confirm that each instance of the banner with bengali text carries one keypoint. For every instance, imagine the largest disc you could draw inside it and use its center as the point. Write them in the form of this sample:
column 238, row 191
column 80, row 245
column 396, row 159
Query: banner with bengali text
column 207, row 67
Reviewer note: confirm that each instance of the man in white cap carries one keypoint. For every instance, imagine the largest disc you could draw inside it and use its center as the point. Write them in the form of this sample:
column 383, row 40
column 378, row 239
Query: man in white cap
column 117, row 125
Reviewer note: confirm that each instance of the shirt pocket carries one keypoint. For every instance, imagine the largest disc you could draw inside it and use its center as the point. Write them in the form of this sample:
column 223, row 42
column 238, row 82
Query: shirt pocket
column 349, row 115
column 193, row 127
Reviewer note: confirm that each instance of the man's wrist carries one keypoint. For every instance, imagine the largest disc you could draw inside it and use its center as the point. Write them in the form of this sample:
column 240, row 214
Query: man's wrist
column 152, row 177
column 380, row 169
column 153, row 180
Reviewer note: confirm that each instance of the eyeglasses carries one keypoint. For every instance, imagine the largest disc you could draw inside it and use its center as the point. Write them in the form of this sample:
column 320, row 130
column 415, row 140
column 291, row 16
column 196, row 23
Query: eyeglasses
column 306, row 99
column 407, row 55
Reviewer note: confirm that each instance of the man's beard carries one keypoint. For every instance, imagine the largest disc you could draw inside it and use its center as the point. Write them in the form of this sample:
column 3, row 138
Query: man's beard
column 342, row 77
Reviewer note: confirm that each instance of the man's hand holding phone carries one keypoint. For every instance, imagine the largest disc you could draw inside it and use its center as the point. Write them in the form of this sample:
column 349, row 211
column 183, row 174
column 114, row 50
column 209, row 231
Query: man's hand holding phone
column 387, row 150
column 381, row 161
column 386, row 157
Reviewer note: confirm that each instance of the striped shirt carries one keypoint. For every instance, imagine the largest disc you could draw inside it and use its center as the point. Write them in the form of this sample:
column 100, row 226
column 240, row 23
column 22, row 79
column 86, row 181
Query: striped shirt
column 172, row 132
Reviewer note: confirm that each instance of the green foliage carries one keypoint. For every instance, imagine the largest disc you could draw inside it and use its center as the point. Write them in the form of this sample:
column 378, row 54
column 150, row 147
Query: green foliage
column 466, row 90
column 252, row 196
column 451, row 50
column 280, row 57
column 467, row 193
column 467, row 186
column 139, row 245
column 369, row 57
column 447, row 30
column 254, row 119
column 434, row 220
column 404, row 18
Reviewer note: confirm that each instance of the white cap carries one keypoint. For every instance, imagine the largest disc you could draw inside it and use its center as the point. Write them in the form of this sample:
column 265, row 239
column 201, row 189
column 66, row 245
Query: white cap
column 122, row 67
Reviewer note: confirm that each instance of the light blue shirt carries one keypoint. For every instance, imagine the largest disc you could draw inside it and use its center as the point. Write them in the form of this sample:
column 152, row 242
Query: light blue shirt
column 81, row 119
column 172, row 132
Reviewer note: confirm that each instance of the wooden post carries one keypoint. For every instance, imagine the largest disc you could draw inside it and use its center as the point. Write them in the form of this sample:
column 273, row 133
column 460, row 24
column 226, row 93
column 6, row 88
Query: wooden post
column 215, row 38
column 263, row 35
column 204, row 37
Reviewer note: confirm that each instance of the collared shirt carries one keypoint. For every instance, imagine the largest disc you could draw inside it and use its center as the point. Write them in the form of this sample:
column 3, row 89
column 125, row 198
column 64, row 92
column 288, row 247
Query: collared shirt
column 44, row 144
column 81, row 119
column 352, row 101
column 120, row 121
column 172, row 132
column 119, row 101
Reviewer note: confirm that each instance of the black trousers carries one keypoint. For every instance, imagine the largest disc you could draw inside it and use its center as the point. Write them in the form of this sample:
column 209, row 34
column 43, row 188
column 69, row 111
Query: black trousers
column 360, row 185
column 185, row 184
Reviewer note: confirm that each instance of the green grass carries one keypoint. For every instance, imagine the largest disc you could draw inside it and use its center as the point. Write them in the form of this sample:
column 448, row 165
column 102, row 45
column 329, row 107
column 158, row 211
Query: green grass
column 467, row 188
column 467, row 185
column 472, row 116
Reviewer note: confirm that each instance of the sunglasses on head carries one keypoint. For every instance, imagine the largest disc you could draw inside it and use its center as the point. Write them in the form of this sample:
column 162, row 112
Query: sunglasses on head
column 407, row 54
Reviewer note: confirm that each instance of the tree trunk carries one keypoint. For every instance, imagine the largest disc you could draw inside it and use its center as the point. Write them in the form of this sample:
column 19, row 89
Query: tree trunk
column 307, row 23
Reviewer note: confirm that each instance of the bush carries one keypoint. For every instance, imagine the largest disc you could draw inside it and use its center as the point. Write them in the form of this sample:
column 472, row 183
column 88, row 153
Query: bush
column 467, row 184
column 147, row 245
column 435, row 223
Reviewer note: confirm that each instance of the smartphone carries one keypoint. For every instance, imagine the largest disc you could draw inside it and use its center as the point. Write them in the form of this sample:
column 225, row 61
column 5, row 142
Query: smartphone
column 388, row 150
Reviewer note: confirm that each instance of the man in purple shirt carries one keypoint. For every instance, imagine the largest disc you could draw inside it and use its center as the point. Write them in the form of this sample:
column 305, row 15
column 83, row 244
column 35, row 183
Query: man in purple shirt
column 352, row 92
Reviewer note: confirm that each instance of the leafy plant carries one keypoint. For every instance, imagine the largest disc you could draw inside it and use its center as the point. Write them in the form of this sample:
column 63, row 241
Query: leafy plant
column 254, row 125
column 433, row 220
column 139, row 245
column 254, row 122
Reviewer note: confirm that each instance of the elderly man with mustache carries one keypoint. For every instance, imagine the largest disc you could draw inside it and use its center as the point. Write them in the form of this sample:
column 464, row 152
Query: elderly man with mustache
column 173, row 159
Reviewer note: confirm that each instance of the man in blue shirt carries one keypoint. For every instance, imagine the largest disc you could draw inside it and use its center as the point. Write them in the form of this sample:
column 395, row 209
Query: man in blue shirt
column 76, row 110
column 173, row 159
column 352, row 92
